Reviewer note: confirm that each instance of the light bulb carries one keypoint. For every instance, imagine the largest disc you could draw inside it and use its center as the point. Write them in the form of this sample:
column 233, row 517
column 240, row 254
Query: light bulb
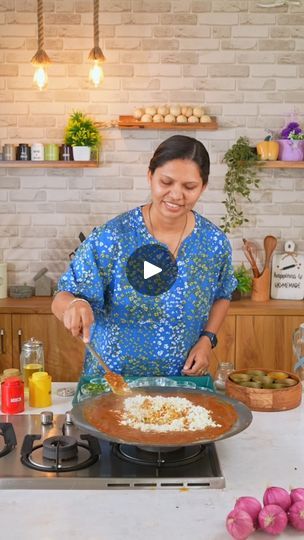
column 40, row 77
column 96, row 74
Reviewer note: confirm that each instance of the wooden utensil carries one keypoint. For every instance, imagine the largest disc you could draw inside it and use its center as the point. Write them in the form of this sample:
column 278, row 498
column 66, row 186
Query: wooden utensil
column 249, row 249
column 115, row 381
column 270, row 243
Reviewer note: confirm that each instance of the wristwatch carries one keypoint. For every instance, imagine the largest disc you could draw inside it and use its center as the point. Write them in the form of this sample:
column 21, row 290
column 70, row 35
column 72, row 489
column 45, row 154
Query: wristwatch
column 211, row 336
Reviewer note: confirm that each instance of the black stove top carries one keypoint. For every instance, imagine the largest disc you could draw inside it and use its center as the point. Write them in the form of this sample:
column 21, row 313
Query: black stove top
column 35, row 454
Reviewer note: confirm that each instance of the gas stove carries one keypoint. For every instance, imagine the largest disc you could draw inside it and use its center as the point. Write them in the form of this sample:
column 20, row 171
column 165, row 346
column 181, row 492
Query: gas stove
column 48, row 451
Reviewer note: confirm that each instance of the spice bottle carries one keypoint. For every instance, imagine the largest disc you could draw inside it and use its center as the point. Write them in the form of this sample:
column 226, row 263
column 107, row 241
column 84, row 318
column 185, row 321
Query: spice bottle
column 12, row 395
column 40, row 389
column 222, row 372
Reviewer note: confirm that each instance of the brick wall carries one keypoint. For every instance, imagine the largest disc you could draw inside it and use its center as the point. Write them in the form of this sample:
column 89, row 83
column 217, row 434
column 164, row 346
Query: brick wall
column 242, row 62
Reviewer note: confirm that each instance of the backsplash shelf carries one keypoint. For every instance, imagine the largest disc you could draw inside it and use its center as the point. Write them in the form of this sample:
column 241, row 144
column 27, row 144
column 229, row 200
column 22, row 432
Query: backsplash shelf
column 129, row 122
column 49, row 164
column 281, row 164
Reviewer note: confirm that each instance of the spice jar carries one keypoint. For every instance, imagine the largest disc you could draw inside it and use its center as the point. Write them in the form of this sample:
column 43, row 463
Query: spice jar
column 221, row 375
column 31, row 359
column 12, row 395
column 40, row 389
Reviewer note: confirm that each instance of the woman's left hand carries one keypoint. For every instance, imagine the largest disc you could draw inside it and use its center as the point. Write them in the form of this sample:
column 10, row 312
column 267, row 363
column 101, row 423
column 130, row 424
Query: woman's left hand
column 198, row 359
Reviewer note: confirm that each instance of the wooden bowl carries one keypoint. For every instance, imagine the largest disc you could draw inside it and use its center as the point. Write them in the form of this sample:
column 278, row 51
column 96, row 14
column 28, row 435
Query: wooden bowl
column 264, row 399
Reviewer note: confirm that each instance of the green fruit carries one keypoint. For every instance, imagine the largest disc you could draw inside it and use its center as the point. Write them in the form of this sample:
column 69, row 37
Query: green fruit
column 252, row 384
column 276, row 386
column 289, row 381
column 238, row 377
column 266, row 380
column 256, row 372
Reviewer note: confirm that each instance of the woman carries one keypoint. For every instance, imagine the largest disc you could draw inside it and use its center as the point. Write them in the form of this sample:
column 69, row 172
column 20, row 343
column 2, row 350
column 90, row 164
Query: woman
column 171, row 333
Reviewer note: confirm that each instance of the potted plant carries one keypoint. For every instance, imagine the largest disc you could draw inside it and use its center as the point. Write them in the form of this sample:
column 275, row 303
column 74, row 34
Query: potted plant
column 244, row 279
column 291, row 143
column 241, row 159
column 82, row 134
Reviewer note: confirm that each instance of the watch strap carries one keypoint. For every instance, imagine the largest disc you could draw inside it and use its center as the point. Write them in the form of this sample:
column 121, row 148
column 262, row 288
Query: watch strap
column 211, row 336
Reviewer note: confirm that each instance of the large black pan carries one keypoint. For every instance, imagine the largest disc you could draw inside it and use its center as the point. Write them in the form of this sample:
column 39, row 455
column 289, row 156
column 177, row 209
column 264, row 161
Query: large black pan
column 244, row 416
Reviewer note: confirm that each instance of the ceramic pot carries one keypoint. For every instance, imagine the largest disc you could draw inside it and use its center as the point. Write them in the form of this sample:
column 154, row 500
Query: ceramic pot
column 291, row 150
column 81, row 153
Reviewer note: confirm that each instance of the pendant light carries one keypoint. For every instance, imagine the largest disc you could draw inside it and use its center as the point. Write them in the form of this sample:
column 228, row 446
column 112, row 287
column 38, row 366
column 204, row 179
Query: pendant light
column 40, row 60
column 96, row 55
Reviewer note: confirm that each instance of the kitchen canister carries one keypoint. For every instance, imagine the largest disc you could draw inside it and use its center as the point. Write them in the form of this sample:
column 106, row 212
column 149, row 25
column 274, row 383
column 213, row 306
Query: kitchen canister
column 23, row 152
column 37, row 152
column 9, row 152
column 31, row 359
column 3, row 280
column 40, row 389
column 51, row 152
column 12, row 395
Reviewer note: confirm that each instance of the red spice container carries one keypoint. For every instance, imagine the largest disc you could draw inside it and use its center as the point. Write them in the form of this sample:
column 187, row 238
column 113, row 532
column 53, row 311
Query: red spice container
column 12, row 395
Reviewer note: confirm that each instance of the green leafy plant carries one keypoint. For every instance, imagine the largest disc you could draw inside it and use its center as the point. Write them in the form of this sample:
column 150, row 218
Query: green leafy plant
column 239, row 179
column 81, row 131
column 293, row 136
column 244, row 279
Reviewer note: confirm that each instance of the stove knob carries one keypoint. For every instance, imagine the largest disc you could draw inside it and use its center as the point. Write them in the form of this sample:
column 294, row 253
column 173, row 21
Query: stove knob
column 68, row 418
column 46, row 418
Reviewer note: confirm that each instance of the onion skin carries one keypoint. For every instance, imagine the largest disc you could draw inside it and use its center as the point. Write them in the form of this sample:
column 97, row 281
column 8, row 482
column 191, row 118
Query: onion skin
column 296, row 515
column 239, row 524
column 272, row 519
column 277, row 495
column 250, row 505
column 296, row 495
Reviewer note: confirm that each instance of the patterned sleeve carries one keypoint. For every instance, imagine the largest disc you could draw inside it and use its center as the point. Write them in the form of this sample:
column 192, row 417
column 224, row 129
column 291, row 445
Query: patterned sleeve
column 226, row 281
column 88, row 273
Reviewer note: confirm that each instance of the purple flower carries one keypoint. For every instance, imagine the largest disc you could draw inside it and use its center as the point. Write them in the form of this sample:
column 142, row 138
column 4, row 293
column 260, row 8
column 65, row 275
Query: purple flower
column 292, row 126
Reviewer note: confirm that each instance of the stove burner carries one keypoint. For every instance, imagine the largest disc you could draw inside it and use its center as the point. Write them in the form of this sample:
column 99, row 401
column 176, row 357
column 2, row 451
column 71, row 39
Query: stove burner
column 9, row 437
column 59, row 453
column 60, row 447
column 159, row 458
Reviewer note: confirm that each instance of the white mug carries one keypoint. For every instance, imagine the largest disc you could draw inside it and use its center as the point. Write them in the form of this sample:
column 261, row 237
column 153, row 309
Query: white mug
column 3, row 280
column 37, row 152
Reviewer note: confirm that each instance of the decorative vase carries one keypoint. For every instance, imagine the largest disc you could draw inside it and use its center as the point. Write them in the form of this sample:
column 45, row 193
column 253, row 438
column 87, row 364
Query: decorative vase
column 291, row 150
column 81, row 153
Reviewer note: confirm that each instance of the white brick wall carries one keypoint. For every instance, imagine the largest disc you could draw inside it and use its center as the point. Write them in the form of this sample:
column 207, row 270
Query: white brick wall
column 242, row 62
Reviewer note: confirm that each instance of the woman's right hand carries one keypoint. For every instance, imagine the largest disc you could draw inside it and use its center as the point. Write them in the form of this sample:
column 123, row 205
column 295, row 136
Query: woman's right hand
column 78, row 318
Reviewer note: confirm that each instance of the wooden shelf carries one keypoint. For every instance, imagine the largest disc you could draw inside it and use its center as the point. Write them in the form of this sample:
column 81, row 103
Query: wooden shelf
column 49, row 164
column 129, row 122
column 281, row 164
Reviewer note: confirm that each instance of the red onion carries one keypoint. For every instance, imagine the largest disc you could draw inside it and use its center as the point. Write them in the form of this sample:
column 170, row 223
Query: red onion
column 296, row 495
column 277, row 495
column 296, row 515
column 239, row 524
column 250, row 505
column 272, row 519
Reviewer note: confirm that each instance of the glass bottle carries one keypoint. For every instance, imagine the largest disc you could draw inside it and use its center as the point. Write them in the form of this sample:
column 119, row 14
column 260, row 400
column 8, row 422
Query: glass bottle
column 222, row 372
column 298, row 349
column 31, row 359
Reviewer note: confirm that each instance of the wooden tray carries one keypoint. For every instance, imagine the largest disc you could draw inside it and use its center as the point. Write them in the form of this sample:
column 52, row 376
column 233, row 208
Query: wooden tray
column 129, row 122
column 263, row 399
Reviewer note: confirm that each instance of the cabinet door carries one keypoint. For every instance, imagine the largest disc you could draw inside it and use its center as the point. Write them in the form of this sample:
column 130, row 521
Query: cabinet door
column 63, row 354
column 265, row 341
column 6, row 357
column 225, row 349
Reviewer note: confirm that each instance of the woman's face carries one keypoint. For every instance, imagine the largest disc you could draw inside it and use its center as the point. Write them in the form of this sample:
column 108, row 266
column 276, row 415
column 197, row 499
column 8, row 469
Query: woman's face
column 175, row 187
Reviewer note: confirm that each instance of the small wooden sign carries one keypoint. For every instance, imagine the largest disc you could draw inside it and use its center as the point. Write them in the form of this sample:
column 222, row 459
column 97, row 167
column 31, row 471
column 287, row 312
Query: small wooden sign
column 287, row 281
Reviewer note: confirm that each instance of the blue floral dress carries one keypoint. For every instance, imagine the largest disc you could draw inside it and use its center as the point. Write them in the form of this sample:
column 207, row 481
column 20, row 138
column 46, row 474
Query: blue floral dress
column 136, row 334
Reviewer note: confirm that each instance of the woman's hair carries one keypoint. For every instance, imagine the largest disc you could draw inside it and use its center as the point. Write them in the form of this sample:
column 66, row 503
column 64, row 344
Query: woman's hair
column 182, row 147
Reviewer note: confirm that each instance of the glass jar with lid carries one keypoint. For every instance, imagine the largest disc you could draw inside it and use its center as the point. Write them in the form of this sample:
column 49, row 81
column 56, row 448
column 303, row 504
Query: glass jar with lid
column 221, row 375
column 31, row 359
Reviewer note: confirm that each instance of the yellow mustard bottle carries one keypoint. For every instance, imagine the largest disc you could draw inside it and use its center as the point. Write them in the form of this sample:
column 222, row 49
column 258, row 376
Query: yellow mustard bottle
column 40, row 389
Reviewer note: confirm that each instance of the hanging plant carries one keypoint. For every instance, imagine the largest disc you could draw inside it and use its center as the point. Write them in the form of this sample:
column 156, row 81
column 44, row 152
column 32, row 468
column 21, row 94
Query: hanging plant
column 239, row 179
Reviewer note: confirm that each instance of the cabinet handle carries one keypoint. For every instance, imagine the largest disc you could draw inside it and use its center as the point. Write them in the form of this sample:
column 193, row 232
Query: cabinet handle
column 19, row 340
column 2, row 349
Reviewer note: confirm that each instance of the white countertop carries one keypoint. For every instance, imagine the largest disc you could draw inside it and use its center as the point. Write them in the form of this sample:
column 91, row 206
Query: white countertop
column 269, row 452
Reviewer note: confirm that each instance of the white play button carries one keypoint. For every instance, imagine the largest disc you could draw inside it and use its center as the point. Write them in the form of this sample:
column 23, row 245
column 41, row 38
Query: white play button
column 151, row 270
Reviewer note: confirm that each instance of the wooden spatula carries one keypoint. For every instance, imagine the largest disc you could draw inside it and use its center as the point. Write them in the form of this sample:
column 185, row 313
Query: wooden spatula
column 116, row 382
column 270, row 243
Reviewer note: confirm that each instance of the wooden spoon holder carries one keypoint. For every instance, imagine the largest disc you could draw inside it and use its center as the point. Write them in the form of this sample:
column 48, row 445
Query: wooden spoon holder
column 261, row 287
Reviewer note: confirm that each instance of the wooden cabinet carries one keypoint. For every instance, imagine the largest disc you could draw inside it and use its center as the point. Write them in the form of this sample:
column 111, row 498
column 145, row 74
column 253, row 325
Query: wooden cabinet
column 254, row 334
column 63, row 353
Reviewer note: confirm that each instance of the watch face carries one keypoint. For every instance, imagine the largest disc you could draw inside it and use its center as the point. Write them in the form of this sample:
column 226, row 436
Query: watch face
column 212, row 338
